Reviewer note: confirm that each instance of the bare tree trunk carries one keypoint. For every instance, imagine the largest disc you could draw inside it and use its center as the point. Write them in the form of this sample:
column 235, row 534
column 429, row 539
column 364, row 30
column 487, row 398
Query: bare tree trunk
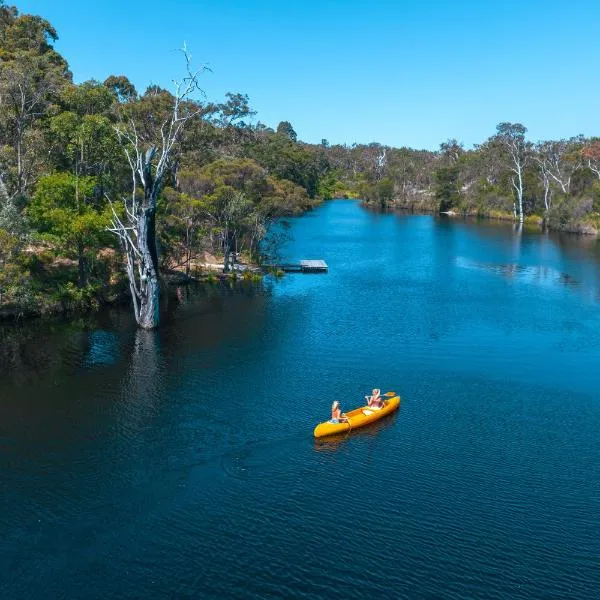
column 518, row 185
column 512, row 137
column 149, row 163
column 149, row 316
column 594, row 167
column 547, row 197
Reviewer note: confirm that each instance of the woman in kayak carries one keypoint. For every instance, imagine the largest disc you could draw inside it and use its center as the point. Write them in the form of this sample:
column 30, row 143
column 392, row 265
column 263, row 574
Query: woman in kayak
column 375, row 401
column 336, row 413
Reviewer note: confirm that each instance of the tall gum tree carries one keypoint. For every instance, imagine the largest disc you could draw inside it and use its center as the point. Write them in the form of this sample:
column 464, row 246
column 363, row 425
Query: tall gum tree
column 150, row 132
column 591, row 155
column 31, row 74
column 557, row 162
column 511, row 136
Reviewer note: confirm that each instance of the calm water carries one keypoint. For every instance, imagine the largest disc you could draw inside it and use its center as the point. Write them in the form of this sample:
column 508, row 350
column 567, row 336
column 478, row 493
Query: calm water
column 181, row 464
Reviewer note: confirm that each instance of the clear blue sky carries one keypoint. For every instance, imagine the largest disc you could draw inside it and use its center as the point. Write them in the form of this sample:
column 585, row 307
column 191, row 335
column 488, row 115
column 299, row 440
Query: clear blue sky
column 403, row 73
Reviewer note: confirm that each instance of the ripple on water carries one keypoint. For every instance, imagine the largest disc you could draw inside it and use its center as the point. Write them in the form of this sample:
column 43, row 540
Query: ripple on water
column 267, row 460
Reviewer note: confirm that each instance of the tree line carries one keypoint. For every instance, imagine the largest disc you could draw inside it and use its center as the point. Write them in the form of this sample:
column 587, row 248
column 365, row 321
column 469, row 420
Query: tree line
column 105, row 189
column 552, row 183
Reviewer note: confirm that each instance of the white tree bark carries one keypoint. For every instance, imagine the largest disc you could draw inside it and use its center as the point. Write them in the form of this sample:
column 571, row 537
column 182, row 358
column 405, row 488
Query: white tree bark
column 135, row 224
column 558, row 162
column 517, row 179
column 512, row 137
column 594, row 167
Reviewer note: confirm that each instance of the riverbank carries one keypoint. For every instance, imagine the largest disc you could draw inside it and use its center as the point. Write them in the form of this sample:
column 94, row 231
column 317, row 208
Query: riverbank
column 55, row 294
column 48, row 289
column 589, row 225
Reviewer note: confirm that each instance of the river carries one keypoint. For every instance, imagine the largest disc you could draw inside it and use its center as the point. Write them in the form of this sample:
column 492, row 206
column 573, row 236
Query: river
column 181, row 463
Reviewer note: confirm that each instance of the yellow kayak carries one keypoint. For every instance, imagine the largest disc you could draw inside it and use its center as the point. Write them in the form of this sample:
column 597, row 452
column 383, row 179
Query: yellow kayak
column 359, row 417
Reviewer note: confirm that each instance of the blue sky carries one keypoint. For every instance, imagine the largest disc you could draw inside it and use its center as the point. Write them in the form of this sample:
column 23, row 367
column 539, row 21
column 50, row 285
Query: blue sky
column 403, row 73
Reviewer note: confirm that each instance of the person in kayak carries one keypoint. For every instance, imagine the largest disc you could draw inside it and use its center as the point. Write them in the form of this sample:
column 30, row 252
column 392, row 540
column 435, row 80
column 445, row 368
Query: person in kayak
column 375, row 401
column 336, row 413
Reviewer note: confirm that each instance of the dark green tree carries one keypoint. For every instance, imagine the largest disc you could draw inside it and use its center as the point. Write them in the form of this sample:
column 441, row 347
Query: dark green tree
column 285, row 128
column 447, row 191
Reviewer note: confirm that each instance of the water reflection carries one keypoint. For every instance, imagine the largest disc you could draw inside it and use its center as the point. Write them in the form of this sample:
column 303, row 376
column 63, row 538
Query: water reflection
column 540, row 274
column 103, row 348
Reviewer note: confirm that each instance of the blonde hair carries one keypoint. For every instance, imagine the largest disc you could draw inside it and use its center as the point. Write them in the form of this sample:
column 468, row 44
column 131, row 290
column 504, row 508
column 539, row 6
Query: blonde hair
column 335, row 404
column 376, row 391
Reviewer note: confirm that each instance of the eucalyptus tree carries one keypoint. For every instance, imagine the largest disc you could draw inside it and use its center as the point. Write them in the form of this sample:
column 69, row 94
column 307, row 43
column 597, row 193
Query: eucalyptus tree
column 69, row 205
column 223, row 131
column 31, row 74
column 557, row 162
column 121, row 87
column 150, row 132
column 82, row 134
column 511, row 137
column 447, row 187
column 63, row 209
column 232, row 214
column 285, row 128
column 591, row 156
column 451, row 150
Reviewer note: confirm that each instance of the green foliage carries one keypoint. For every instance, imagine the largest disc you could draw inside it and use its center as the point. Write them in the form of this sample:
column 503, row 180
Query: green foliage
column 64, row 207
column 72, row 297
column 89, row 98
column 121, row 88
column 285, row 129
column 447, row 191
column 66, row 212
column 595, row 193
column 285, row 159
column 275, row 196
column 329, row 184
column 380, row 192
column 8, row 246
column 385, row 190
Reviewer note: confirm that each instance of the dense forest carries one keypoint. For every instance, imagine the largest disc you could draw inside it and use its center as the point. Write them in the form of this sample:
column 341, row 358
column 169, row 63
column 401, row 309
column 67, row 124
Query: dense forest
column 106, row 191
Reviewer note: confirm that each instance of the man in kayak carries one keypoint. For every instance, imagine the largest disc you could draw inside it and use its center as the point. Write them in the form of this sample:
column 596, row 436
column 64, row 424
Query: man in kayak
column 336, row 413
column 375, row 401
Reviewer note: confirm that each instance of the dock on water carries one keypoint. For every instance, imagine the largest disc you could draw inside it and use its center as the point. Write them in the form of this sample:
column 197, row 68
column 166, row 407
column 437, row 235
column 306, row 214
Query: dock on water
column 313, row 266
column 304, row 266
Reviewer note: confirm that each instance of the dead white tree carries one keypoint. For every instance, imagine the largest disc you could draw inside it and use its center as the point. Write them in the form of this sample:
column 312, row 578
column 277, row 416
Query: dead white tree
column 150, row 153
column 380, row 163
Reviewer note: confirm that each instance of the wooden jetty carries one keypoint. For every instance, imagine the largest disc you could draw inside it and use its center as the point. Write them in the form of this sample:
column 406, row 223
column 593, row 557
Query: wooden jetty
column 313, row 266
column 304, row 266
